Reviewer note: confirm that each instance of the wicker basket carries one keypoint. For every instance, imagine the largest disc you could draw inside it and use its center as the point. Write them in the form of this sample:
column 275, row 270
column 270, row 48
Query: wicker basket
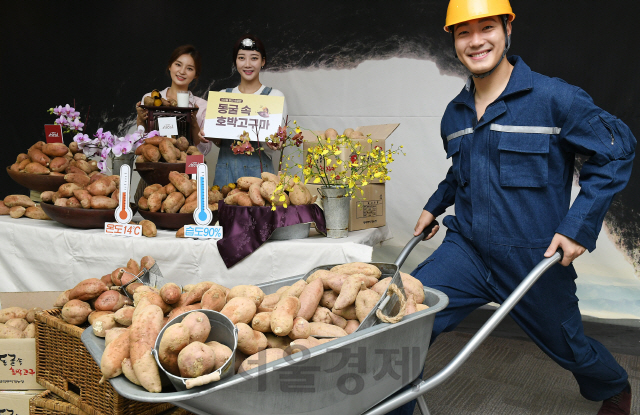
column 65, row 367
column 48, row 403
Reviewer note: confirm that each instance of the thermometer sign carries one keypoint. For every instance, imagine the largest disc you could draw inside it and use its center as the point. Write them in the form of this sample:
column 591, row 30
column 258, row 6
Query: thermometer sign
column 202, row 215
column 124, row 214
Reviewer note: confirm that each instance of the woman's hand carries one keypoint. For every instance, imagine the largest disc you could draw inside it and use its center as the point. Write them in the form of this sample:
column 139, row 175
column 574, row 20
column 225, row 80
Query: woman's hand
column 142, row 115
column 201, row 137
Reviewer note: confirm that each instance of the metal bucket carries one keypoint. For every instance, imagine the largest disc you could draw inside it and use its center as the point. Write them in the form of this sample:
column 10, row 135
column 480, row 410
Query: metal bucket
column 335, row 204
column 222, row 330
column 118, row 161
column 297, row 231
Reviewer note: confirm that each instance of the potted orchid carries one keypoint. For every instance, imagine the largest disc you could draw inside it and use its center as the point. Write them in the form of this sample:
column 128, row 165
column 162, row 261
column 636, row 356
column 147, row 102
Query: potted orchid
column 68, row 118
column 106, row 145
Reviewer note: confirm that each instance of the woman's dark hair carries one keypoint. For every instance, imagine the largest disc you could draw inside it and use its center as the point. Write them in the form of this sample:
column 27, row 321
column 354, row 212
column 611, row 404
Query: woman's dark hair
column 186, row 50
column 256, row 44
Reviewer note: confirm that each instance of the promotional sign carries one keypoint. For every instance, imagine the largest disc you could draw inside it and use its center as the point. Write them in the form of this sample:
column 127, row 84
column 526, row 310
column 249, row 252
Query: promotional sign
column 202, row 215
column 192, row 163
column 168, row 126
column 118, row 229
column 229, row 115
column 53, row 133
column 203, row 232
column 124, row 214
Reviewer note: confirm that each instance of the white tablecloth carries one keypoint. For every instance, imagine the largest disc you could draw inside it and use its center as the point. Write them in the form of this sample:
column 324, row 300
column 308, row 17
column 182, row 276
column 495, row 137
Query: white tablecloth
column 40, row 255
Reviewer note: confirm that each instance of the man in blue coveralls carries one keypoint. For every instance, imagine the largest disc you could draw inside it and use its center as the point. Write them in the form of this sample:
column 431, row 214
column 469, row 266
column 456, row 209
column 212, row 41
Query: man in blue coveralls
column 512, row 135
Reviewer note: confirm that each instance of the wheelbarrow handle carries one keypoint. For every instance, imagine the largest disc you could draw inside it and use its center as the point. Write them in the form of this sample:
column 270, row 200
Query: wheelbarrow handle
column 413, row 242
column 420, row 387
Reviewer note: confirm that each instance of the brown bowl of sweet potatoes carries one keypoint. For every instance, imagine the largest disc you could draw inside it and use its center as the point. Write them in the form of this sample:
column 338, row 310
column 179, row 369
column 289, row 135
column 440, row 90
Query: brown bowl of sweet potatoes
column 81, row 218
column 158, row 172
column 37, row 182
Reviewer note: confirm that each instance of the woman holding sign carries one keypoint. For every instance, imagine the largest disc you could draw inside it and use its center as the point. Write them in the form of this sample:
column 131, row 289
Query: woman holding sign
column 183, row 68
column 249, row 57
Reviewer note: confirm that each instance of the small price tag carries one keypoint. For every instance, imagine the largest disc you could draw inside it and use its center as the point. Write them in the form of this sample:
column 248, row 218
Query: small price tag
column 203, row 232
column 119, row 229
column 192, row 163
column 168, row 126
column 53, row 133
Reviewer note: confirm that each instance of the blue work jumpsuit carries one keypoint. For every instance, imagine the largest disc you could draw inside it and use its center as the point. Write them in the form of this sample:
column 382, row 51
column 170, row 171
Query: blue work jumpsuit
column 230, row 167
column 510, row 182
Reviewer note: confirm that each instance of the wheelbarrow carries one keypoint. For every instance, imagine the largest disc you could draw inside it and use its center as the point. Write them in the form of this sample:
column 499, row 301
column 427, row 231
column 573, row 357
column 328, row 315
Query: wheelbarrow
column 350, row 375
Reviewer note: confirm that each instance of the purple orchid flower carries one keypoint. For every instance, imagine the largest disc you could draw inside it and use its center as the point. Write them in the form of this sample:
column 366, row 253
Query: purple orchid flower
column 105, row 152
column 58, row 110
column 76, row 125
column 62, row 121
column 122, row 147
column 67, row 110
column 102, row 165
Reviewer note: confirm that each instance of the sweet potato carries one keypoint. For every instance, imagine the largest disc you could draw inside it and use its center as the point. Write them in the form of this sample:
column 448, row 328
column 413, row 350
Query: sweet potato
column 277, row 342
column 142, row 335
column 240, row 310
column 38, row 145
column 269, row 302
column 198, row 325
column 249, row 291
column 328, row 299
column 174, row 339
column 182, row 144
column 113, row 334
column 349, row 291
column 102, row 187
column 76, row 312
column 283, row 314
column 173, row 203
column 214, row 298
column 261, row 358
column 59, row 164
column 55, row 149
column 73, row 202
column 183, row 309
column 66, row 190
column 243, row 199
column 79, row 156
column 301, row 329
column 104, row 323
column 222, row 353
column 170, row 293
column 337, row 320
column 88, row 289
column 38, row 156
column 269, row 177
column 84, row 166
column 321, row 315
column 149, row 190
column 31, row 314
column 358, row 268
column 148, row 228
column 365, row 302
column 84, row 197
column 80, row 179
column 300, row 345
column 103, row 202
column 262, row 322
column 150, row 297
column 189, row 207
column 95, row 314
column 23, row 164
column 21, row 157
column 4, row 210
column 247, row 342
column 352, row 325
column 8, row 332
column 244, row 183
column 114, row 353
column 150, row 153
column 348, row 312
column 147, row 262
column 215, row 196
column 154, row 202
column 110, row 300
column 143, row 203
column 300, row 195
column 18, row 200
column 195, row 294
column 295, row 290
column 124, row 315
column 36, row 168
column 381, row 286
column 181, row 183
column 195, row 360
column 18, row 323
column 17, row 212
column 309, row 299
column 60, row 301
column 30, row 331
column 61, row 201
column 413, row 286
column 326, row 330
column 411, row 305
column 168, row 151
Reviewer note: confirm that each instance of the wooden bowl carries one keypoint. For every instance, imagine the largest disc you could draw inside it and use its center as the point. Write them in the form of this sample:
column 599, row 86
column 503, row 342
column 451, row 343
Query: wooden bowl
column 153, row 173
column 37, row 182
column 81, row 218
column 173, row 220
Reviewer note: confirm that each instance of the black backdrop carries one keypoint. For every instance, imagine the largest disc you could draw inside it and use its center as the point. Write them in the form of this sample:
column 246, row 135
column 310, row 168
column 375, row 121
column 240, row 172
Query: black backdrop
column 106, row 55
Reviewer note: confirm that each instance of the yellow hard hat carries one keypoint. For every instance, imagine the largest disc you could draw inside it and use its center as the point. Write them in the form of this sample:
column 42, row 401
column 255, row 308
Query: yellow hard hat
column 464, row 10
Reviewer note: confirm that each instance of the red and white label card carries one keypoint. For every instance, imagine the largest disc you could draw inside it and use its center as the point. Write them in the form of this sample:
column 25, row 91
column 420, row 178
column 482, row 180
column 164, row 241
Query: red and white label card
column 53, row 133
column 192, row 163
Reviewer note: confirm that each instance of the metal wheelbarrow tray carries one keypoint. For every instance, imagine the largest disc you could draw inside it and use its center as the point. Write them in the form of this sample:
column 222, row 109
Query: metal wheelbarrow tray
column 345, row 376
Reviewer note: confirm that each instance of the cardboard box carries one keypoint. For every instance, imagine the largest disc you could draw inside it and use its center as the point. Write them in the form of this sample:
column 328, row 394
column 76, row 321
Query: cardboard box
column 18, row 356
column 377, row 133
column 16, row 402
column 366, row 211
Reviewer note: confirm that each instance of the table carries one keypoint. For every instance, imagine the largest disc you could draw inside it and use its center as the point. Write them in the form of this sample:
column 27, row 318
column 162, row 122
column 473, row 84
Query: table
column 40, row 255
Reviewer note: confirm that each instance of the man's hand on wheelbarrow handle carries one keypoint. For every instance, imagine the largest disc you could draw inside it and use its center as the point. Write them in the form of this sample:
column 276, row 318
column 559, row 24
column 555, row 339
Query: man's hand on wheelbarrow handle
column 427, row 226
